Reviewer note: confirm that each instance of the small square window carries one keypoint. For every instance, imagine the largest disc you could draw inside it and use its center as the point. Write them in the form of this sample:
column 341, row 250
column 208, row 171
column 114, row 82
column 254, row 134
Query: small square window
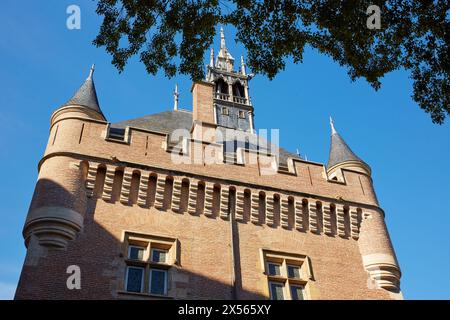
column 274, row 269
column 159, row 256
column 158, row 281
column 134, row 279
column 297, row 293
column 225, row 111
column 136, row 253
column 276, row 290
column 241, row 114
column 294, row 272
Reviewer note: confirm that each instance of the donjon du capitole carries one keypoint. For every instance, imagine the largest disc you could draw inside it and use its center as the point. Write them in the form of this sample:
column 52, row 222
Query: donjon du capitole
column 198, row 205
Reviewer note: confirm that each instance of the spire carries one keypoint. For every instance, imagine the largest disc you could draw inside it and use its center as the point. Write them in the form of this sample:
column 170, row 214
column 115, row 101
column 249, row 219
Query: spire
column 340, row 152
column 86, row 96
column 222, row 39
column 175, row 98
column 225, row 60
column 211, row 58
column 243, row 71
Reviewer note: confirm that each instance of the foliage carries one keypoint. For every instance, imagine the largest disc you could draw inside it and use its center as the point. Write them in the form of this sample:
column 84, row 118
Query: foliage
column 173, row 35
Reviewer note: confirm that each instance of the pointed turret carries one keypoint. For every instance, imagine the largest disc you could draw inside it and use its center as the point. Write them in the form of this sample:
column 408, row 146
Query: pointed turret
column 86, row 96
column 225, row 60
column 211, row 58
column 243, row 67
column 222, row 39
column 342, row 156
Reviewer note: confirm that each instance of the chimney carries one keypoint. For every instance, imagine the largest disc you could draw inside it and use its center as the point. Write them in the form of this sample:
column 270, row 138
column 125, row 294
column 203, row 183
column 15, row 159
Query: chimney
column 203, row 111
column 202, row 105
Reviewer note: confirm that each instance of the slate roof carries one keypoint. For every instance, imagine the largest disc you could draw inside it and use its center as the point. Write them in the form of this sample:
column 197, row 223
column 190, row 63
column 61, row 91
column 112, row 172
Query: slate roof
column 165, row 122
column 86, row 95
column 168, row 121
column 340, row 151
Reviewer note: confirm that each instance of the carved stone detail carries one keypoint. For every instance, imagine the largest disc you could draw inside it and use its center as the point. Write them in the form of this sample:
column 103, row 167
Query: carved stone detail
column 159, row 195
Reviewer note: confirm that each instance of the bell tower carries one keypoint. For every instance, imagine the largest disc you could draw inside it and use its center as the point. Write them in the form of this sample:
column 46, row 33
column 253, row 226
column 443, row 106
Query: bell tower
column 232, row 105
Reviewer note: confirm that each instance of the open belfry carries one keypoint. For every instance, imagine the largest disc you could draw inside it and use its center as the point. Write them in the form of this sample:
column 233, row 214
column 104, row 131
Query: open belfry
column 197, row 205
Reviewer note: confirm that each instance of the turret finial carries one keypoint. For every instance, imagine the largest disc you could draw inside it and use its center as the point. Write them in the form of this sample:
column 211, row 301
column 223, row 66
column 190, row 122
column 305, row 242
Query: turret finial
column 175, row 98
column 211, row 58
column 243, row 69
column 333, row 130
column 222, row 38
column 91, row 72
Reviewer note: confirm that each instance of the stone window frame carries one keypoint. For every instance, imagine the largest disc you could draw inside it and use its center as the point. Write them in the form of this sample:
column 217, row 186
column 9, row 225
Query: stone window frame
column 285, row 259
column 241, row 114
column 150, row 242
column 225, row 111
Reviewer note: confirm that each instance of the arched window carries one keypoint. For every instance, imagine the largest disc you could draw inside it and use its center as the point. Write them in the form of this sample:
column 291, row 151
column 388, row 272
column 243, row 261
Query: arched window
column 238, row 90
column 221, row 86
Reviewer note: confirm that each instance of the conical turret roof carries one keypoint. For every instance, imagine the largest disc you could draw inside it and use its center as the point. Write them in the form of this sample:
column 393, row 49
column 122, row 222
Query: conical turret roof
column 86, row 96
column 339, row 151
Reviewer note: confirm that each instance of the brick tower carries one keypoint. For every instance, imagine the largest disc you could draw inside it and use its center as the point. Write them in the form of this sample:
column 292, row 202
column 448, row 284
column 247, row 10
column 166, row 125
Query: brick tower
column 197, row 205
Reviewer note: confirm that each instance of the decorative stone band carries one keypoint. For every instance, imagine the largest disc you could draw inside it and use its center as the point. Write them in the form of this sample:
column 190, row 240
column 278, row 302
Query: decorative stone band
column 270, row 218
column 126, row 186
column 176, row 196
column 90, row 180
column 313, row 217
column 224, row 207
column 53, row 226
column 285, row 212
column 209, row 193
column 192, row 201
column 255, row 207
column 108, row 184
column 299, row 221
column 239, row 205
column 143, row 189
column 355, row 218
column 327, row 219
column 275, row 208
column 159, row 196
column 383, row 271
column 340, row 213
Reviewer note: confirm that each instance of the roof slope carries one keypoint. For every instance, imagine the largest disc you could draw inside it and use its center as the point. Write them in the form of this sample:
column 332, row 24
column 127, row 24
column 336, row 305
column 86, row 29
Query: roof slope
column 86, row 95
column 339, row 151
column 165, row 122
column 168, row 121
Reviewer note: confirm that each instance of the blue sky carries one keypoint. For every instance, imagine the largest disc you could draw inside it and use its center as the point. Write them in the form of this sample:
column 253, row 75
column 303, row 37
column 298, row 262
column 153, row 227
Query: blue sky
column 42, row 63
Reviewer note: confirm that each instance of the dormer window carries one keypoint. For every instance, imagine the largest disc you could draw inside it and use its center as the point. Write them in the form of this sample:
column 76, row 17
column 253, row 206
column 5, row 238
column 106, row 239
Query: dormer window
column 117, row 133
column 225, row 111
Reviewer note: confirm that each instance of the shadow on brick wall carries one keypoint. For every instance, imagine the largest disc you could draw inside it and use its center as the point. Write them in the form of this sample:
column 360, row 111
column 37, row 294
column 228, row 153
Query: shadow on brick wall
column 99, row 255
